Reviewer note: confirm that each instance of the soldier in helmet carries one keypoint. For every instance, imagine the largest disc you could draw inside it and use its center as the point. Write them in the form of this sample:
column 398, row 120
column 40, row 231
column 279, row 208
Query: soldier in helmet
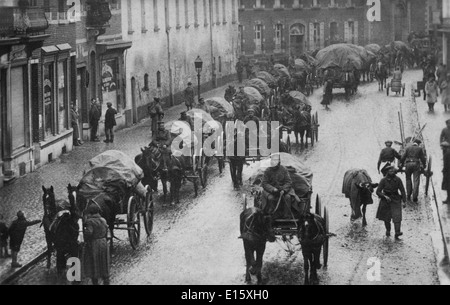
column 387, row 157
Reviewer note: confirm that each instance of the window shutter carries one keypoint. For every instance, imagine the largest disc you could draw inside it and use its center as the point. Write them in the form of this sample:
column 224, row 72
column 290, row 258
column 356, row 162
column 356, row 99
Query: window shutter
column 356, row 33
column 322, row 35
column 346, row 35
column 311, row 36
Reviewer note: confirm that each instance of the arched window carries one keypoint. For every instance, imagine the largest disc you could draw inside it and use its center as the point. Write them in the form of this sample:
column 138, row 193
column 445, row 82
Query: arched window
column 146, row 87
column 158, row 79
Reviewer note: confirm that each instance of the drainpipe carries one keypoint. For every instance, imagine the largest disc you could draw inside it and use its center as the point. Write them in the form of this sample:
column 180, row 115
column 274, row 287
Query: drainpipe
column 211, row 19
column 170, row 68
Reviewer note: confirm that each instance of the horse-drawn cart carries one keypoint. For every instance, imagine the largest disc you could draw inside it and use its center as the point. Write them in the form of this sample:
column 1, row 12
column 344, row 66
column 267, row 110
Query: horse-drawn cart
column 396, row 86
column 114, row 184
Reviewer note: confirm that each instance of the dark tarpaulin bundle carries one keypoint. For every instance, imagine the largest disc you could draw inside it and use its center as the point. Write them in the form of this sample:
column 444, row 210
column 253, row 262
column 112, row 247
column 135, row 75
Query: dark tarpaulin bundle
column 338, row 55
column 102, row 180
column 220, row 108
column 301, row 175
column 267, row 78
column 259, row 85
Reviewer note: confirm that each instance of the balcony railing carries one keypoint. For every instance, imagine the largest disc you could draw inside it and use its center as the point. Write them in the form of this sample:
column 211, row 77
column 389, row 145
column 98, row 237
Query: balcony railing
column 16, row 21
column 98, row 13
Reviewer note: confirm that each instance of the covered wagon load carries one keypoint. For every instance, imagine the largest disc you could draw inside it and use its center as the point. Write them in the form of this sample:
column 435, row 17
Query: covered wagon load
column 373, row 47
column 259, row 85
column 301, row 175
column 113, row 173
column 220, row 108
column 340, row 56
column 282, row 71
column 268, row 78
column 301, row 66
column 293, row 101
column 207, row 121
column 246, row 99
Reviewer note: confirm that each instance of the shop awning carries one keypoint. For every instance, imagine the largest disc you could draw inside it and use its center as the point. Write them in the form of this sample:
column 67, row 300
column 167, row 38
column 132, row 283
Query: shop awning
column 118, row 45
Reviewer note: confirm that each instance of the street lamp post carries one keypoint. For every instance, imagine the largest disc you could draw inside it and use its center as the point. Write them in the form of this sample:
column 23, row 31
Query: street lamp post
column 198, row 68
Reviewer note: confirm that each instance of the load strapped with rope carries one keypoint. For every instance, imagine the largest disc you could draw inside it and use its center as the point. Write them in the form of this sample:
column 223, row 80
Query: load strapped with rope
column 113, row 173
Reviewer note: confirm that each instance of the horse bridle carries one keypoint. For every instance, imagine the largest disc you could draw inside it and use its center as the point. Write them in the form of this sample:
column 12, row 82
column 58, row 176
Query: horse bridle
column 250, row 228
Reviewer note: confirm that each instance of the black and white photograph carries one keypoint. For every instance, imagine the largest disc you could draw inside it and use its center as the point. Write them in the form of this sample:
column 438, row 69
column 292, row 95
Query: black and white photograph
column 246, row 144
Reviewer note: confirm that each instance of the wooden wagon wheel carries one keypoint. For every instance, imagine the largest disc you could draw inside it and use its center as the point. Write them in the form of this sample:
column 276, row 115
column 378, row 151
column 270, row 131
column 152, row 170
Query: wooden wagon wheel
column 203, row 169
column 312, row 131
column 149, row 213
column 318, row 206
column 316, row 127
column 326, row 245
column 428, row 174
column 133, row 223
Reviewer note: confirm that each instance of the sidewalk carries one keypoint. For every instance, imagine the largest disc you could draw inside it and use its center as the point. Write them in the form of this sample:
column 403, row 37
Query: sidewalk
column 435, row 122
column 25, row 194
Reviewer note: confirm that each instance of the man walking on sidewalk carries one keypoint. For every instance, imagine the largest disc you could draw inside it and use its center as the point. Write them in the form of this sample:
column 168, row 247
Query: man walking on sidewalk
column 110, row 122
column 446, row 171
column 189, row 96
column 414, row 160
column 17, row 234
column 94, row 118
column 445, row 134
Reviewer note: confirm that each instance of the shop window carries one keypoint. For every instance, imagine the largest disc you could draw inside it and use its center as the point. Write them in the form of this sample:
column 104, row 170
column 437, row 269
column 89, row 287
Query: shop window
column 49, row 123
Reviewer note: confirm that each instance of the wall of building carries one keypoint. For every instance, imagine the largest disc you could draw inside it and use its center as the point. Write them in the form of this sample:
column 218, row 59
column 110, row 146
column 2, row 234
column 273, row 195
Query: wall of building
column 170, row 47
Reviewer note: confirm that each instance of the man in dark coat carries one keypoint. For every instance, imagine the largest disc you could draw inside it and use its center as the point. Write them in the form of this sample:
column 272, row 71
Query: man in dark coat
column 94, row 118
column 277, row 182
column 239, row 70
column 162, row 136
column 414, row 160
column 110, row 122
column 392, row 193
column 17, row 234
column 96, row 257
column 189, row 96
column 327, row 94
column 445, row 134
column 446, row 171
column 387, row 156
column 229, row 93
column 3, row 238
column 156, row 113
column 75, row 121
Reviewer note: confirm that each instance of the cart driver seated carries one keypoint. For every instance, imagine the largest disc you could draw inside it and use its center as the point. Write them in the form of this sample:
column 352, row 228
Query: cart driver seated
column 162, row 139
column 397, row 74
column 277, row 184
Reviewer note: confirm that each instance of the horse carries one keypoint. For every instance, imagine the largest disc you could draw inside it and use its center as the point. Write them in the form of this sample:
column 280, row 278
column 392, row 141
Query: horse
column 61, row 229
column 163, row 165
column 381, row 74
column 358, row 187
column 108, row 204
column 255, row 233
column 312, row 235
column 302, row 126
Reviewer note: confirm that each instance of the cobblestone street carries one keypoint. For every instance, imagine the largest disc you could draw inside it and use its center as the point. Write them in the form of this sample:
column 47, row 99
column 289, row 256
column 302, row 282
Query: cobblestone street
column 26, row 193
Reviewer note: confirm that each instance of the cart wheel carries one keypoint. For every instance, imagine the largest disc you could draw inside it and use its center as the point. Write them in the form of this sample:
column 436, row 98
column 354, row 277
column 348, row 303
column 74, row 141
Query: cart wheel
column 133, row 223
column 149, row 213
column 326, row 245
column 428, row 174
column 318, row 206
column 317, row 127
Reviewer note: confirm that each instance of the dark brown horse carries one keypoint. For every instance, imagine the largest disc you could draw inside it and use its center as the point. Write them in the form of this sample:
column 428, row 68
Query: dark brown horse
column 255, row 233
column 61, row 229
column 302, row 126
column 312, row 235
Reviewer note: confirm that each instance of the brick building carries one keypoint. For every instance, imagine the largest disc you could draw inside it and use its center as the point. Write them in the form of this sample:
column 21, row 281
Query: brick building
column 37, row 43
column 167, row 37
column 292, row 27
